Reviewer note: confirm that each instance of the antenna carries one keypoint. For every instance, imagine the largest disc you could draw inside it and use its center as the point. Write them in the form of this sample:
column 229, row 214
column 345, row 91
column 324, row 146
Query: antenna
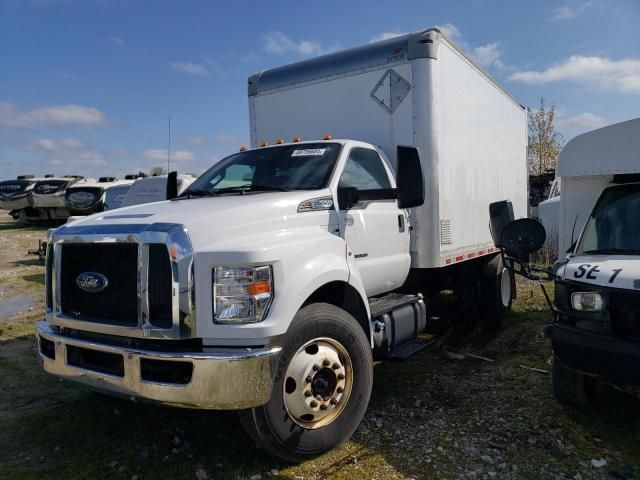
column 573, row 230
column 169, row 148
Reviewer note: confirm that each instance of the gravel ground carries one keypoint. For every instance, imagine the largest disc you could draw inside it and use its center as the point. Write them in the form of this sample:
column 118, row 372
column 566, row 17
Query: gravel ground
column 435, row 416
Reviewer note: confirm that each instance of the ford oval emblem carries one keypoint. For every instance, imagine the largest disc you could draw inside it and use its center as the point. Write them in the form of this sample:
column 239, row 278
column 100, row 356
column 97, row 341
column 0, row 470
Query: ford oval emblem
column 92, row 282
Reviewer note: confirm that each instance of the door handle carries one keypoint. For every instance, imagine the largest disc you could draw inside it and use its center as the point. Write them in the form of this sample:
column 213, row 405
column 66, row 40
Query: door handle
column 401, row 223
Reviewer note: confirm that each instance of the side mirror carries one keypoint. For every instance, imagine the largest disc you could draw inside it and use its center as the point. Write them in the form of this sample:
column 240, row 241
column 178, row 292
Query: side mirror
column 522, row 237
column 410, row 181
column 500, row 215
column 347, row 197
column 172, row 185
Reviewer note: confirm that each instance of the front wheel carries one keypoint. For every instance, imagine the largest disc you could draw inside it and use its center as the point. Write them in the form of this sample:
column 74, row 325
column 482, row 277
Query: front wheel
column 322, row 386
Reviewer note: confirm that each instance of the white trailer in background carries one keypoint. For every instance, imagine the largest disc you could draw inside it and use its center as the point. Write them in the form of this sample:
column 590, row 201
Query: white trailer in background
column 274, row 280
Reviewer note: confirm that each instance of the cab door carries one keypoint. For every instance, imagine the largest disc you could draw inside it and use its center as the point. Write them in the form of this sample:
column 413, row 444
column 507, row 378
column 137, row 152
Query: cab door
column 376, row 231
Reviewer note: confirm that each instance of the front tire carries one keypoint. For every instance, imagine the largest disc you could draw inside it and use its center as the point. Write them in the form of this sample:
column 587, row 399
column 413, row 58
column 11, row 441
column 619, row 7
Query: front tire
column 322, row 386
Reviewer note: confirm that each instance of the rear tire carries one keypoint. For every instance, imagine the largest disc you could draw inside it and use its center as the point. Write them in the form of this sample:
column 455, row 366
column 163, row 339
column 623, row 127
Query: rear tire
column 569, row 385
column 498, row 291
column 311, row 411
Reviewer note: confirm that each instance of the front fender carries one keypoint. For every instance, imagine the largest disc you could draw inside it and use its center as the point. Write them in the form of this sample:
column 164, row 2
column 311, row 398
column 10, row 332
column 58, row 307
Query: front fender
column 302, row 261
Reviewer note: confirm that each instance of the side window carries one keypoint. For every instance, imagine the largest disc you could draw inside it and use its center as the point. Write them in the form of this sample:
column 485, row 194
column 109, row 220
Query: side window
column 364, row 170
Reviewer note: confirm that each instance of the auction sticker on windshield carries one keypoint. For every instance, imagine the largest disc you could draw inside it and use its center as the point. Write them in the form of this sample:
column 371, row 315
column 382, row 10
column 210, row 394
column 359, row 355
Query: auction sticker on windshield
column 308, row 152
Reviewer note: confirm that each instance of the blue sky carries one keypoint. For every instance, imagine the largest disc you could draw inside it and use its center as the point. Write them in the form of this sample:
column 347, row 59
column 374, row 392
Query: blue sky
column 86, row 86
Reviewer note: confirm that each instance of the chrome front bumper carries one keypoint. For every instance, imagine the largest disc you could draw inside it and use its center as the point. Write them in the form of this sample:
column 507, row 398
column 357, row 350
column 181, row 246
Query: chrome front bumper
column 226, row 380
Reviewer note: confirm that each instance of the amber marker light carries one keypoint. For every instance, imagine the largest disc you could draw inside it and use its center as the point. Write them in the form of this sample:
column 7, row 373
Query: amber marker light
column 296, row 139
column 243, row 149
column 327, row 137
column 258, row 287
column 264, row 143
column 280, row 141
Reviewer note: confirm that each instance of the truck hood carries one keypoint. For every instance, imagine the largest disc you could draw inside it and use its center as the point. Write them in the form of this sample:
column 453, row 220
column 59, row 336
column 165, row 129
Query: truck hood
column 212, row 219
column 613, row 271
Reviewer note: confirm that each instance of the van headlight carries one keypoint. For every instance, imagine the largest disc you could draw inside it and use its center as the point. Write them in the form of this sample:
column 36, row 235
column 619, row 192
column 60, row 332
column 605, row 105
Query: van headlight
column 242, row 294
column 587, row 301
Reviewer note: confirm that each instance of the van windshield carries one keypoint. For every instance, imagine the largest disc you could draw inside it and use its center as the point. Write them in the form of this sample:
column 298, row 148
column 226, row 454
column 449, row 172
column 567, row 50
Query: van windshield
column 303, row 166
column 614, row 226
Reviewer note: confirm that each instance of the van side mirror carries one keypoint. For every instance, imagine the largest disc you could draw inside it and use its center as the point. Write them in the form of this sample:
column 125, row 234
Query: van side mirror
column 347, row 197
column 410, row 181
column 172, row 185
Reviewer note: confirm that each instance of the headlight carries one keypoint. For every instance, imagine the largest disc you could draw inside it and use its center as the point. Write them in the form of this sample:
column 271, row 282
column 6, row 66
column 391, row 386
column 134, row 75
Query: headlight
column 241, row 294
column 587, row 301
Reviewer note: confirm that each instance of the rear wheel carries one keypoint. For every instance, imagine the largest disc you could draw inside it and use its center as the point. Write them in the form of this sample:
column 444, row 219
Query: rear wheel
column 322, row 386
column 498, row 289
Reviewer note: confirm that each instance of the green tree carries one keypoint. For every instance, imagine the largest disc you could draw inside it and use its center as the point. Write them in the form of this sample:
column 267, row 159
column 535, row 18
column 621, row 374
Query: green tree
column 544, row 141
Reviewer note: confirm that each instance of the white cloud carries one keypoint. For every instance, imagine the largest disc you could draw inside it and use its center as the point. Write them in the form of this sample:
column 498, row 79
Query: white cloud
column 195, row 141
column 386, row 36
column 81, row 158
column 178, row 155
column 117, row 41
column 567, row 12
column 68, row 152
column 14, row 116
column 49, row 145
column 618, row 75
column 580, row 123
column 190, row 68
column 278, row 43
column 450, row 31
column 488, row 55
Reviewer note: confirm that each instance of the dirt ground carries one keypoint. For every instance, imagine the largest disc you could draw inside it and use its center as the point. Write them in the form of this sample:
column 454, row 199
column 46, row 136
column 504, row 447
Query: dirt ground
column 431, row 417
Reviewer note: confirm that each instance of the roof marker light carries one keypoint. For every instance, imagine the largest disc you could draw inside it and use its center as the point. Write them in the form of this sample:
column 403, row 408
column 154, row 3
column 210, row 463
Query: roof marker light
column 243, row 149
column 296, row 139
column 327, row 136
column 280, row 141
column 264, row 143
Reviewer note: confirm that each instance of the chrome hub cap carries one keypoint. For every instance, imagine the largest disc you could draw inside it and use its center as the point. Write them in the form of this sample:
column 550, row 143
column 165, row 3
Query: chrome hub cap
column 318, row 383
column 505, row 287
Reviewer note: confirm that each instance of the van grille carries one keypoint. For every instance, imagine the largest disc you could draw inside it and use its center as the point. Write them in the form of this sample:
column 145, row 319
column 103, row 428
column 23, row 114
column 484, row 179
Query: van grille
column 624, row 309
column 118, row 302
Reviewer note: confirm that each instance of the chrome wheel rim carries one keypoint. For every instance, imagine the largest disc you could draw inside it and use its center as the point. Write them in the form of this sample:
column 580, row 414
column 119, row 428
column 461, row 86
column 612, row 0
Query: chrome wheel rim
column 318, row 383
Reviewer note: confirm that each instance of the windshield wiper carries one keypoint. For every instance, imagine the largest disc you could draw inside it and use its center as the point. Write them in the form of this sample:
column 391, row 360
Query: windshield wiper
column 194, row 193
column 250, row 188
column 267, row 188
column 612, row 251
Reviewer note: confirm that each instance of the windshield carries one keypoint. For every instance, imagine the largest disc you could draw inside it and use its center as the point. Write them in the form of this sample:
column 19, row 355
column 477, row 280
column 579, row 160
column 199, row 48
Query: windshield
column 306, row 166
column 614, row 225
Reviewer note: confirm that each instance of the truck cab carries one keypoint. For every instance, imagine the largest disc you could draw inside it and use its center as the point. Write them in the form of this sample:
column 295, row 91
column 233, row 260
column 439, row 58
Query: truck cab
column 274, row 280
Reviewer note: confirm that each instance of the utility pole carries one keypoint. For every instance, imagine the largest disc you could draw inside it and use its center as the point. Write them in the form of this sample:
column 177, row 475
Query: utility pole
column 169, row 148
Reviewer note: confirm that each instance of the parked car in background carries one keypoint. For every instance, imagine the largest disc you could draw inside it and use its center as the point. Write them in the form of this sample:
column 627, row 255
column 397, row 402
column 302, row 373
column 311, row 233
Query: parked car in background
column 89, row 196
column 15, row 195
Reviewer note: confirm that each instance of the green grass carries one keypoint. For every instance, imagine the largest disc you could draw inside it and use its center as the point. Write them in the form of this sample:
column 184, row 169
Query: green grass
column 62, row 431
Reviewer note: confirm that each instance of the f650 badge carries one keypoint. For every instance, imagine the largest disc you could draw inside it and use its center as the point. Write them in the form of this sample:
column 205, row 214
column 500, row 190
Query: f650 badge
column 92, row 282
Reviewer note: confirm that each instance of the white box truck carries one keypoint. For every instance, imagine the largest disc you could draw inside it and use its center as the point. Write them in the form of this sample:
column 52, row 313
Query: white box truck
column 596, row 329
column 274, row 280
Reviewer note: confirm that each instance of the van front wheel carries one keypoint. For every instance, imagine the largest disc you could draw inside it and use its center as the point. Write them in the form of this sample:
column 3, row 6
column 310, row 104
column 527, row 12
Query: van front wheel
column 322, row 386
